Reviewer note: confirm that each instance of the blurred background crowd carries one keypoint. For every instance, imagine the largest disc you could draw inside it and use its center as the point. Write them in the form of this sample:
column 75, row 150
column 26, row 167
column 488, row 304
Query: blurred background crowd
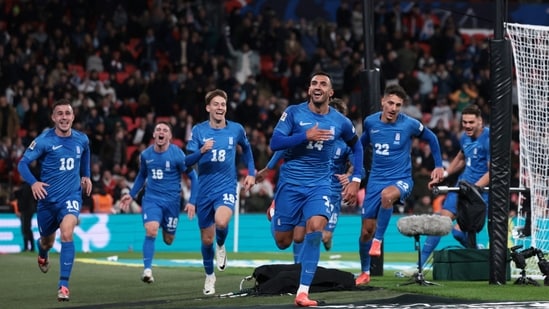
column 127, row 64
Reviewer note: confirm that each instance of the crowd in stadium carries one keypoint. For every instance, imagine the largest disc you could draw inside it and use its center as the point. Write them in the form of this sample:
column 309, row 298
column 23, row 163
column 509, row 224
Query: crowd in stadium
column 127, row 64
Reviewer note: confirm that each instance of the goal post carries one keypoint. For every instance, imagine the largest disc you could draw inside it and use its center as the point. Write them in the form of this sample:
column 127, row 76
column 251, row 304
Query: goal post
column 530, row 47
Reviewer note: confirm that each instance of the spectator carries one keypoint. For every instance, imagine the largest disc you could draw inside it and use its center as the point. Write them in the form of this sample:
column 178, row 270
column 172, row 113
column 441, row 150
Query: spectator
column 133, row 207
column 9, row 121
column 246, row 61
column 442, row 113
column 259, row 197
column 103, row 203
column 148, row 47
column 26, row 205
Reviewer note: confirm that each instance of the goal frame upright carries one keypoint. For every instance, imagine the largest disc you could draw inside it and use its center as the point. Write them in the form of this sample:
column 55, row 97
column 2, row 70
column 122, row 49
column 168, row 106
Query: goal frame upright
column 500, row 141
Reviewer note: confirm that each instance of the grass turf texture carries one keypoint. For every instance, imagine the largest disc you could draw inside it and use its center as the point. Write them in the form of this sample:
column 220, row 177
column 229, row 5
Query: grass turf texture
column 107, row 286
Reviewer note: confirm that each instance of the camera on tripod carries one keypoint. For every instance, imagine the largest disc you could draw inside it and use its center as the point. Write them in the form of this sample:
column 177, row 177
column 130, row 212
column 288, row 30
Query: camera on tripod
column 519, row 258
column 543, row 265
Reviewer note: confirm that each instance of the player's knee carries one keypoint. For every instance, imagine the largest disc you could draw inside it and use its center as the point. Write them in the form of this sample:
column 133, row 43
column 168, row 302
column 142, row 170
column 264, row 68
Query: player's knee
column 283, row 243
column 151, row 233
column 207, row 239
column 168, row 239
column 46, row 242
column 316, row 224
column 65, row 235
column 367, row 234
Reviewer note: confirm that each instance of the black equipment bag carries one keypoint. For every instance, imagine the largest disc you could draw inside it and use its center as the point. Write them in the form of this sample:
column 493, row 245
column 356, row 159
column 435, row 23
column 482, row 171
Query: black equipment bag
column 471, row 211
column 279, row 279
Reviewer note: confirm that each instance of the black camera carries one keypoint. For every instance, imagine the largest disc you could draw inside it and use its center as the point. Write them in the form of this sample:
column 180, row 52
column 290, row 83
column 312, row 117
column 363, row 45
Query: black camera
column 543, row 265
column 519, row 257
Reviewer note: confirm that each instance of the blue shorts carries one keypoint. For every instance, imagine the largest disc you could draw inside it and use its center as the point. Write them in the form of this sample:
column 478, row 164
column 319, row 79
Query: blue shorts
column 296, row 204
column 208, row 204
column 335, row 210
column 451, row 202
column 50, row 214
column 372, row 201
column 166, row 213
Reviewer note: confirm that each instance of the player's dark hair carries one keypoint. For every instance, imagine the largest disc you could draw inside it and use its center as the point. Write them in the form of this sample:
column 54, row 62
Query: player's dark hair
column 339, row 104
column 60, row 102
column 471, row 109
column 214, row 93
column 166, row 123
column 396, row 90
column 321, row 73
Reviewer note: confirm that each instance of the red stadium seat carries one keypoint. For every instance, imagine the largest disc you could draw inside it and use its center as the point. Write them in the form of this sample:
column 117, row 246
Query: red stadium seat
column 130, row 124
column 76, row 69
column 130, row 68
column 130, row 149
column 103, row 76
column 121, row 77
column 163, row 118
column 178, row 142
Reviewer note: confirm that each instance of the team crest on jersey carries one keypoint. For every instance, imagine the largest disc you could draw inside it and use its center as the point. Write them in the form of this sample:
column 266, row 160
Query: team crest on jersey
column 397, row 139
column 167, row 165
column 78, row 151
column 231, row 142
column 283, row 117
column 332, row 131
column 31, row 146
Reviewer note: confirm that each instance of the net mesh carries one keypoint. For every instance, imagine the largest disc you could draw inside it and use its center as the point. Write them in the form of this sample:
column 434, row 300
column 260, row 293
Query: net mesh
column 530, row 45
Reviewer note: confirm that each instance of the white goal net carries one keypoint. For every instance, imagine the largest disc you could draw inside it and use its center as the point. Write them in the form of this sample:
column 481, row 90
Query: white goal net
column 530, row 45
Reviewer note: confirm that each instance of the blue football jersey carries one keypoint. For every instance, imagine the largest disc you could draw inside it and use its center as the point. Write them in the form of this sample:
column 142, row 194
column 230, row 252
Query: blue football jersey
column 61, row 160
column 391, row 145
column 342, row 153
column 477, row 155
column 162, row 173
column 217, row 167
column 310, row 163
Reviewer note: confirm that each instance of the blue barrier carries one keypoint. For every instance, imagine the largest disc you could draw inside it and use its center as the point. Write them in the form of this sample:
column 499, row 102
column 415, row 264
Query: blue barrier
column 118, row 233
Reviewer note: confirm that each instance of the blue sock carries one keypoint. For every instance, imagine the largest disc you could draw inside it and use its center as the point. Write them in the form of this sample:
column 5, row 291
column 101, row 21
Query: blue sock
column 272, row 229
column 297, row 251
column 383, row 218
column 364, row 251
column 460, row 236
column 148, row 251
column 41, row 252
column 66, row 259
column 428, row 247
column 310, row 255
column 221, row 235
column 207, row 258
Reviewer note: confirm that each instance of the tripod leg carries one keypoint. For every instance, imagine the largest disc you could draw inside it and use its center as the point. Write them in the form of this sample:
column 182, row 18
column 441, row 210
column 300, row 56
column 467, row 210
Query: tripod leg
column 418, row 278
